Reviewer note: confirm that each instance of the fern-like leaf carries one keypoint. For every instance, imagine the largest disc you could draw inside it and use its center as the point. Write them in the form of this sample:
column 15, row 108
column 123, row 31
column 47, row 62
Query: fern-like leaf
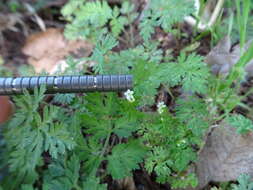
column 92, row 183
column 242, row 124
column 189, row 71
column 158, row 161
column 164, row 13
column 62, row 175
column 82, row 15
column 193, row 112
column 125, row 158
column 105, row 44
column 35, row 134
column 117, row 22
column 245, row 183
column 27, row 187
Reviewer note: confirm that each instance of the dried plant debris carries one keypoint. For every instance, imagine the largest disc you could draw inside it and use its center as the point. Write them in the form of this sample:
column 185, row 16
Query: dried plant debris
column 48, row 50
column 209, row 16
column 222, row 57
column 8, row 22
column 225, row 156
column 126, row 184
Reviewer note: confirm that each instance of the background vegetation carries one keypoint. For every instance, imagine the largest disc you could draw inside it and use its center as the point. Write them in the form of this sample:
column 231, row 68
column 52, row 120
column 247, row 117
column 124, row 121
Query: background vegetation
column 148, row 138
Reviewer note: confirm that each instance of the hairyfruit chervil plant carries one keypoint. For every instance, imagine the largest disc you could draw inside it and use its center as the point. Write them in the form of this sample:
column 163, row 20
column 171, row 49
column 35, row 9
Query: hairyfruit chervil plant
column 77, row 142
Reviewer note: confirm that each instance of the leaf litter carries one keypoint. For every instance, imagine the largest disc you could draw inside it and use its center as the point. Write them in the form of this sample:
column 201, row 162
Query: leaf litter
column 47, row 51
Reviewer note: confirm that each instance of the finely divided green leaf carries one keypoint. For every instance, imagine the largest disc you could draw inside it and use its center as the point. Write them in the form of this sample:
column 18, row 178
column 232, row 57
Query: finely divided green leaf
column 62, row 174
column 164, row 13
column 242, row 124
column 125, row 158
column 245, row 183
column 190, row 71
column 92, row 183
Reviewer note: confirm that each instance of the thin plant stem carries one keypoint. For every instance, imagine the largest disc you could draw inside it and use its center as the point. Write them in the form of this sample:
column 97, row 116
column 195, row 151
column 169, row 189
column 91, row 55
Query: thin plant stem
column 105, row 145
column 231, row 21
column 216, row 13
column 128, row 37
column 169, row 91
column 131, row 31
column 242, row 19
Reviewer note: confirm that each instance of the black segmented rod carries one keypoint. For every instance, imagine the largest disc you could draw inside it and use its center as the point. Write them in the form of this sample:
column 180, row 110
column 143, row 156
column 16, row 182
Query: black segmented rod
column 66, row 84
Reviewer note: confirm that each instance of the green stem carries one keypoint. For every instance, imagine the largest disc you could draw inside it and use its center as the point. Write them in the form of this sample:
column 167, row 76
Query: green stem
column 127, row 37
column 131, row 35
column 169, row 91
column 231, row 21
column 216, row 13
column 245, row 15
column 131, row 31
column 123, row 40
column 77, row 187
column 221, row 117
column 248, row 93
column 106, row 144
column 242, row 19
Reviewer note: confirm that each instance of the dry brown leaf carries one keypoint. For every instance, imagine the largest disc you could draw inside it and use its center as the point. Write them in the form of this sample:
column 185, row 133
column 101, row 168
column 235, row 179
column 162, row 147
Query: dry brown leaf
column 222, row 57
column 47, row 50
column 6, row 108
column 225, row 156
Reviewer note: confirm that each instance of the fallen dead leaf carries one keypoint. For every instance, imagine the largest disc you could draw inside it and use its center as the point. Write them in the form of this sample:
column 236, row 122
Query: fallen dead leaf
column 6, row 109
column 220, row 58
column 225, row 156
column 223, row 57
column 47, row 50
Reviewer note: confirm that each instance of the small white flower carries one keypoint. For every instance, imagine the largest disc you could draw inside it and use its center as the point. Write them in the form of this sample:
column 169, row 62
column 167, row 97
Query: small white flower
column 129, row 95
column 209, row 100
column 160, row 107
column 181, row 143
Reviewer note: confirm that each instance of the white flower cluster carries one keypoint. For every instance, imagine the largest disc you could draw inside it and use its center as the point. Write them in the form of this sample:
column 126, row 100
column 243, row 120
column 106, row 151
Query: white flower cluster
column 181, row 143
column 160, row 107
column 129, row 95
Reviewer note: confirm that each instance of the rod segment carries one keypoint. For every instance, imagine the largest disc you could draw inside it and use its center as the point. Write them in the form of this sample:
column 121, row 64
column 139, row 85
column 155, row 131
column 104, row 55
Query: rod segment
column 66, row 84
